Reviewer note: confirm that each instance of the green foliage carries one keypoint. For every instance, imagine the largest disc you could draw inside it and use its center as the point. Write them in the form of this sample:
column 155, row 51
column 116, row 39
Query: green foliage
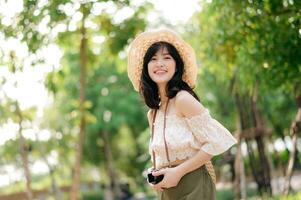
column 243, row 45
column 278, row 109
column 247, row 46
column 95, row 195
column 253, row 41
column 239, row 45
column 105, row 71
column 225, row 194
column 295, row 196
column 111, row 103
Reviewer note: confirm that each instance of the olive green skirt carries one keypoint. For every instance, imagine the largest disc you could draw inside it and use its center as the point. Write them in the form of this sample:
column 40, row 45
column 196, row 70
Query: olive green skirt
column 196, row 185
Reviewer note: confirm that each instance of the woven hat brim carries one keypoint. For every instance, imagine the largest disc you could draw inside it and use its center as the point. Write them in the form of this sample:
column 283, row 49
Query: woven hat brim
column 143, row 41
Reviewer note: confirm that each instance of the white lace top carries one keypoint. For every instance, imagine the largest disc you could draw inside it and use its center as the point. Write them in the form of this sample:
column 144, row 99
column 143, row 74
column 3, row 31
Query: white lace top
column 186, row 136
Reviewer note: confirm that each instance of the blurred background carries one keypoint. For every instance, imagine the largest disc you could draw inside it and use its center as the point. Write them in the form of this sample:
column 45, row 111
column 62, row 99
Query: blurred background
column 72, row 127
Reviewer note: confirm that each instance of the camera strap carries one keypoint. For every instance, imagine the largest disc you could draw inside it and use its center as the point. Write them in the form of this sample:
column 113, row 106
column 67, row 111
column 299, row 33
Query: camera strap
column 165, row 143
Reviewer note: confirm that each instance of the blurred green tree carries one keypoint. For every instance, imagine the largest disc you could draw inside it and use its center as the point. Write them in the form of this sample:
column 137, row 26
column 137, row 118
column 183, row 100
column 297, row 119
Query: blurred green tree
column 250, row 43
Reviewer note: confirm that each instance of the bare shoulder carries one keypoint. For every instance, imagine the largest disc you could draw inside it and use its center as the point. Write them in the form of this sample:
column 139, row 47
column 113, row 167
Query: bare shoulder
column 187, row 105
column 184, row 96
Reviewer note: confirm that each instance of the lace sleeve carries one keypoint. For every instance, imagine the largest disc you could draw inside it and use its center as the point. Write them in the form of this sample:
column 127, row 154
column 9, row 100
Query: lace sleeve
column 213, row 137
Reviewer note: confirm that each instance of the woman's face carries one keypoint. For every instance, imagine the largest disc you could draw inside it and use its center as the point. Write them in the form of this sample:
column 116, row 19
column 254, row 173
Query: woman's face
column 161, row 67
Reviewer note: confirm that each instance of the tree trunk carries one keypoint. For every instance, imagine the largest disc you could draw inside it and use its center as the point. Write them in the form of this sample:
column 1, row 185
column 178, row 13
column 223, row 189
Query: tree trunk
column 24, row 154
column 240, row 180
column 22, row 146
column 295, row 129
column 264, row 183
column 55, row 190
column 264, row 170
column 113, row 186
column 252, row 127
column 79, row 148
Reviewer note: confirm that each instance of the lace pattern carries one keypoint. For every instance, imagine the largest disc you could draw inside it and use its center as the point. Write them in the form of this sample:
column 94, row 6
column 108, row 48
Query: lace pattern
column 186, row 136
column 205, row 128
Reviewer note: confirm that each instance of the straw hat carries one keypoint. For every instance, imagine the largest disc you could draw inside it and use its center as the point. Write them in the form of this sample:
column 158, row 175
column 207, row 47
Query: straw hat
column 144, row 40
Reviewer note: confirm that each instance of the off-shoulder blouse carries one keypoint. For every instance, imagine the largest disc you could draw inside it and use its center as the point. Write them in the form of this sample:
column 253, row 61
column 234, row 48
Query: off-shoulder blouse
column 186, row 136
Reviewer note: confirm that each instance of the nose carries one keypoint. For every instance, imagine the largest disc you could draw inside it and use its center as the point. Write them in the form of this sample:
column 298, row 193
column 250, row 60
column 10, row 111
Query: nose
column 160, row 63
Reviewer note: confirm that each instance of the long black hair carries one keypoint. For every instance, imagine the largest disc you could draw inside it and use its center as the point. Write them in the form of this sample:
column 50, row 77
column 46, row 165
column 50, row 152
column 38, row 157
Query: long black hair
column 149, row 89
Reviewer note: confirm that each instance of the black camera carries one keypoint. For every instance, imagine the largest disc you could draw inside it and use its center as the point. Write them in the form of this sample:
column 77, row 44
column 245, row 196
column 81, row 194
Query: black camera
column 154, row 179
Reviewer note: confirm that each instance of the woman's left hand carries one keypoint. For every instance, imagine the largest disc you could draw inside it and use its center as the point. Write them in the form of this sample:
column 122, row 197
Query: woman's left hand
column 171, row 178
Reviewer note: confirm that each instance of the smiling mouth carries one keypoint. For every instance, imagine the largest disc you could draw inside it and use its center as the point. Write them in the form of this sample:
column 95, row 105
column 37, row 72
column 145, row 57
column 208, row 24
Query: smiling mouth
column 160, row 72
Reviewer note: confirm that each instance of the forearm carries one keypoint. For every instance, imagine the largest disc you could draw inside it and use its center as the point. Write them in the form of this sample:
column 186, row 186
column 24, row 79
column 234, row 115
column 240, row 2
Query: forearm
column 193, row 163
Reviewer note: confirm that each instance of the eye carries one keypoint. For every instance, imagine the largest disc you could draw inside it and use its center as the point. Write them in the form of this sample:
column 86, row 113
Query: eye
column 153, row 58
column 167, row 57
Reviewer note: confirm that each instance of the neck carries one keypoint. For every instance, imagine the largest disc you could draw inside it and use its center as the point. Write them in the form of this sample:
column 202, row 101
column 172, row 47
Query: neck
column 162, row 94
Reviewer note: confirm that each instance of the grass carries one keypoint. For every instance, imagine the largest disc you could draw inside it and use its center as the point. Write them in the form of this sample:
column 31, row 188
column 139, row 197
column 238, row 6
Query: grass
column 222, row 194
column 228, row 194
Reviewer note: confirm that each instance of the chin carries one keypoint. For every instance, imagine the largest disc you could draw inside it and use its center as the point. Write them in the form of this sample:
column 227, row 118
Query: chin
column 161, row 82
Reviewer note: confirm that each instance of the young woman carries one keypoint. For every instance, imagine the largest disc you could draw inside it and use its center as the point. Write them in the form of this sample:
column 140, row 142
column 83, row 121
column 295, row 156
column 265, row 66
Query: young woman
column 162, row 68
